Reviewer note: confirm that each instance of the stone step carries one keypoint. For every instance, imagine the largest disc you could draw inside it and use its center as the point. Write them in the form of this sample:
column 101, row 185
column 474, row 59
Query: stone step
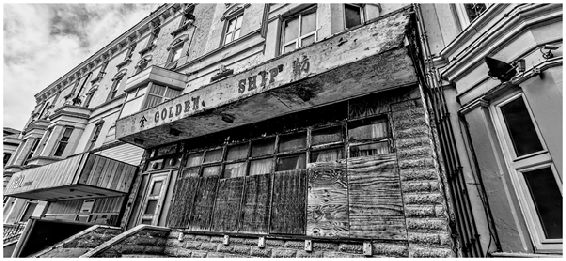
column 143, row 256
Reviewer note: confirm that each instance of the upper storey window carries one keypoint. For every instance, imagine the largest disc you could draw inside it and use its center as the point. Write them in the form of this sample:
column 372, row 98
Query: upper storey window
column 467, row 13
column 353, row 15
column 299, row 30
column 63, row 141
column 233, row 29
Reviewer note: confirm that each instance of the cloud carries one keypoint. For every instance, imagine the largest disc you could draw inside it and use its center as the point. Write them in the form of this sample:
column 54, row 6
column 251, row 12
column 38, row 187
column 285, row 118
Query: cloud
column 42, row 42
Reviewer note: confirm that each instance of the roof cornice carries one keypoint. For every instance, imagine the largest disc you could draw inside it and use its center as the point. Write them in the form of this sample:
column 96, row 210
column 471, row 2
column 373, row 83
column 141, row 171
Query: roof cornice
column 161, row 13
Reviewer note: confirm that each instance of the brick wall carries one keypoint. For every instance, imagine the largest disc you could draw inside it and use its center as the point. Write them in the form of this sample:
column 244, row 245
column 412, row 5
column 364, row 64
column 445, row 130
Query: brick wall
column 423, row 197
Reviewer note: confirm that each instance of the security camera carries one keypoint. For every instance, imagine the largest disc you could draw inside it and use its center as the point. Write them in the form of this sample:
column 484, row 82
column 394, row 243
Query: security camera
column 550, row 47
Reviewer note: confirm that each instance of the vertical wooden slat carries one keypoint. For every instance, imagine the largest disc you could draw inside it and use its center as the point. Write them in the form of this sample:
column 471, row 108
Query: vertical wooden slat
column 327, row 207
column 85, row 173
column 204, row 200
column 127, row 179
column 227, row 206
column 116, row 176
column 176, row 209
column 189, row 194
column 288, row 203
column 106, row 173
column 376, row 206
column 95, row 175
column 255, row 205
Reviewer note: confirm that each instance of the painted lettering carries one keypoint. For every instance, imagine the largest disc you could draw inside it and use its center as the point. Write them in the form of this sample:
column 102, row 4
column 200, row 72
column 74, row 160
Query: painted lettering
column 178, row 109
column 252, row 83
column 164, row 114
column 156, row 117
column 187, row 105
column 195, row 102
column 272, row 74
column 242, row 86
column 263, row 75
column 170, row 112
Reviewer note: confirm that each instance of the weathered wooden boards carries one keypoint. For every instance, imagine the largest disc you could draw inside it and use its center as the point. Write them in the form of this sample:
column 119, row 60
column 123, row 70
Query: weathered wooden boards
column 288, row 202
column 375, row 201
column 327, row 210
column 227, row 206
column 106, row 173
column 203, row 204
column 255, row 205
column 182, row 203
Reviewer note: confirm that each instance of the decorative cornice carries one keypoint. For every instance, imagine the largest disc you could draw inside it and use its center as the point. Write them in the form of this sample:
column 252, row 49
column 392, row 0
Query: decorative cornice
column 104, row 53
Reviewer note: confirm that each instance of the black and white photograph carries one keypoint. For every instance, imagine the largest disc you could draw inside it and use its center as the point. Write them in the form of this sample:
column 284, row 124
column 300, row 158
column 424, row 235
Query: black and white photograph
column 282, row 130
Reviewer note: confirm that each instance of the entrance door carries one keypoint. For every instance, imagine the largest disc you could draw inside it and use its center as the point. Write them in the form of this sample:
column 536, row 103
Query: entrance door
column 154, row 198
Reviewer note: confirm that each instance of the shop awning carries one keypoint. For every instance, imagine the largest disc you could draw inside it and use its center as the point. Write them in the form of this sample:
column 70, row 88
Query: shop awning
column 78, row 177
column 372, row 58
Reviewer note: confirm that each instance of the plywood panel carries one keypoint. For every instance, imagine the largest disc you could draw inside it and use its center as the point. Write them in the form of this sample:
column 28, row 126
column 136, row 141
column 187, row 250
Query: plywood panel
column 375, row 201
column 204, row 202
column 255, row 206
column 227, row 206
column 288, row 202
column 327, row 207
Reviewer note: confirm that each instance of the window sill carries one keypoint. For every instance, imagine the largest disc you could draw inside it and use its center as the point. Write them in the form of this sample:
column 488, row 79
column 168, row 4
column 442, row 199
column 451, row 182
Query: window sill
column 121, row 64
column 147, row 49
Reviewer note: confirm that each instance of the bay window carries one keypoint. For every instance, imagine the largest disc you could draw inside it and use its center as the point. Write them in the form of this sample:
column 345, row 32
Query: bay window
column 537, row 182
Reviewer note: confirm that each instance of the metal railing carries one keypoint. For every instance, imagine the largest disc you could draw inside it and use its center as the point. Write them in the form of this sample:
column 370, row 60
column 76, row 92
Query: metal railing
column 13, row 231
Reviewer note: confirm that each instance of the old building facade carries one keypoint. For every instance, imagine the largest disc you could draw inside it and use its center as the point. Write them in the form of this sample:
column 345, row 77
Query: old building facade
column 303, row 130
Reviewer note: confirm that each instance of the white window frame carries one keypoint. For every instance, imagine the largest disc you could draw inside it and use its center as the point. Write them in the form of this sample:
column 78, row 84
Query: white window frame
column 298, row 40
column 519, row 164
column 463, row 15
column 362, row 15
column 236, row 28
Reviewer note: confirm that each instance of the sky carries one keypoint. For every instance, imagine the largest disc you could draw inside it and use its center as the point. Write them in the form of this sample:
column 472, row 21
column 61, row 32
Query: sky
column 42, row 42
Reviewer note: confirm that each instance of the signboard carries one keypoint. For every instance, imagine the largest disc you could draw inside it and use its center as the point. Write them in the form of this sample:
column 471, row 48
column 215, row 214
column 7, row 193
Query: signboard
column 328, row 54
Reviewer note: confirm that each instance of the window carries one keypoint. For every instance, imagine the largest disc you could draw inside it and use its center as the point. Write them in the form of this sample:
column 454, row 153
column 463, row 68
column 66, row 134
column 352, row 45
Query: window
column 467, row 13
column 94, row 137
column 536, row 180
column 233, row 29
column 368, row 138
column 7, row 157
column 353, row 15
column 114, row 89
column 158, row 94
column 44, row 140
column 30, row 207
column 63, row 141
column 299, row 30
column 34, row 143
column 89, row 96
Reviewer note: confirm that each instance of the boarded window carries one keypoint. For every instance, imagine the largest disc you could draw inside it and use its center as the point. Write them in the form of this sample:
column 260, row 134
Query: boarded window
column 288, row 203
column 227, row 204
column 327, row 135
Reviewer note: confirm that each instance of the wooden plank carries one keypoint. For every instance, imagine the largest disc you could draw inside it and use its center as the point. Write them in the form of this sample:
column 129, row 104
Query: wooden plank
column 113, row 184
column 255, row 206
column 327, row 207
column 288, row 202
column 106, row 173
column 188, row 195
column 175, row 211
column 375, row 200
column 90, row 162
column 227, row 207
column 89, row 175
column 129, row 178
column 95, row 175
column 204, row 203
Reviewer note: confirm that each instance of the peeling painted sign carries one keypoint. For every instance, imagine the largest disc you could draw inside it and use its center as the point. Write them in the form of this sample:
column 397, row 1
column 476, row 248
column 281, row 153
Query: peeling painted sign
column 326, row 55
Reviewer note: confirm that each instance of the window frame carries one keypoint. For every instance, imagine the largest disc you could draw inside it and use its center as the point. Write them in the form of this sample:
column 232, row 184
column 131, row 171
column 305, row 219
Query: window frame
column 23, row 213
column 234, row 18
column 298, row 40
column 60, row 141
column 95, row 133
column 362, row 15
column 31, row 152
column 462, row 15
column 116, row 81
column 517, row 165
